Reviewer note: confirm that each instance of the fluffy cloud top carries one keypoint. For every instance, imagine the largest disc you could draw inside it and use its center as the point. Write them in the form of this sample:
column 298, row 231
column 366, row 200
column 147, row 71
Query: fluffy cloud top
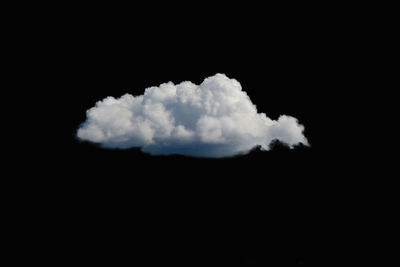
column 213, row 119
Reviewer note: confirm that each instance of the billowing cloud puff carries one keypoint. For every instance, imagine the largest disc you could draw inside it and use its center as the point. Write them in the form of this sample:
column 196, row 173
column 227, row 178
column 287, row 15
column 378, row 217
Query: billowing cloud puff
column 213, row 119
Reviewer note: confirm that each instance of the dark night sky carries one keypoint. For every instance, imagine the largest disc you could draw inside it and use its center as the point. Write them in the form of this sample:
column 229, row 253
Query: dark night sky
column 267, row 208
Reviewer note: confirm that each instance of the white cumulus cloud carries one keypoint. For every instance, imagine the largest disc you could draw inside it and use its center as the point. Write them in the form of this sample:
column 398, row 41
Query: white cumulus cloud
column 213, row 119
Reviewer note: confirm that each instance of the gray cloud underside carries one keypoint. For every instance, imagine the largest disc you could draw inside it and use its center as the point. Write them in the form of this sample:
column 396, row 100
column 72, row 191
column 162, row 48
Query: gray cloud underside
column 213, row 119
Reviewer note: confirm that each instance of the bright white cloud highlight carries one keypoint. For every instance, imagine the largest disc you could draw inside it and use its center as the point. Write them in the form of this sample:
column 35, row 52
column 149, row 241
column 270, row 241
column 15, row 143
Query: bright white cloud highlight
column 213, row 119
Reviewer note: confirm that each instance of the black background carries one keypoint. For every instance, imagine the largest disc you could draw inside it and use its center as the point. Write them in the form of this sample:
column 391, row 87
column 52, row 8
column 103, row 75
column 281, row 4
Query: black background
column 266, row 208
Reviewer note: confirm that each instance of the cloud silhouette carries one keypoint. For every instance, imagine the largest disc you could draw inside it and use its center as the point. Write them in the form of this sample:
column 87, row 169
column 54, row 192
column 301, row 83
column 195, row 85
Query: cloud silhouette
column 213, row 119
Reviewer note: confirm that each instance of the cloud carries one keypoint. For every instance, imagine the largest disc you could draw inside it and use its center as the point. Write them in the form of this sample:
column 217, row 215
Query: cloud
column 213, row 119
